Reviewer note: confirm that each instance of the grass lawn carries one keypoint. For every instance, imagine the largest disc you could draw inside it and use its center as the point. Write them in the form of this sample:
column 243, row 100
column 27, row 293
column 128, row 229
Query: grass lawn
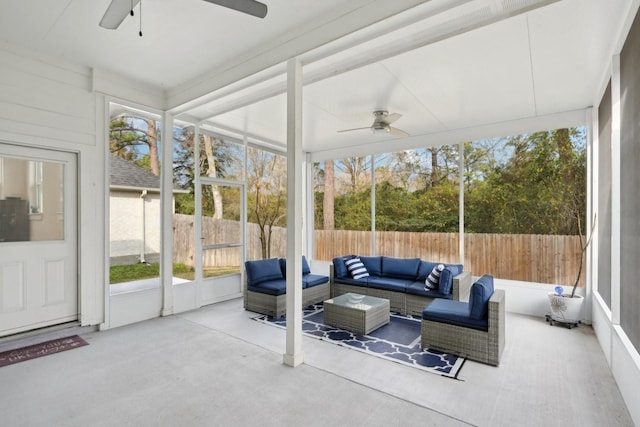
column 128, row 273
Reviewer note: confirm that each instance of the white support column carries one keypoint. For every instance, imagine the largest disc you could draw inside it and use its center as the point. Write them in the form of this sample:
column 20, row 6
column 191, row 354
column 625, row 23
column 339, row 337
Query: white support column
column 590, row 209
column 166, row 215
column 593, row 196
column 461, row 202
column 197, row 223
column 373, row 206
column 294, row 356
column 102, row 139
column 615, row 190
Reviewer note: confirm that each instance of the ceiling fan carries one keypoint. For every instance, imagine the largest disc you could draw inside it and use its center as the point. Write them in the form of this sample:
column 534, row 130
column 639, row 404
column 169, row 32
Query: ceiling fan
column 119, row 9
column 382, row 124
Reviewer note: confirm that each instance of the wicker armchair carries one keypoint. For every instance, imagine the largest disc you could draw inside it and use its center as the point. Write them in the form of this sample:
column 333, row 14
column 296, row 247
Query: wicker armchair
column 484, row 346
column 265, row 286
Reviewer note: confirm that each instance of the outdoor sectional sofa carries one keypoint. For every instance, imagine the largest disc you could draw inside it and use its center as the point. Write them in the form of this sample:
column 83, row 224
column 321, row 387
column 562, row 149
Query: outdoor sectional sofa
column 265, row 290
column 401, row 281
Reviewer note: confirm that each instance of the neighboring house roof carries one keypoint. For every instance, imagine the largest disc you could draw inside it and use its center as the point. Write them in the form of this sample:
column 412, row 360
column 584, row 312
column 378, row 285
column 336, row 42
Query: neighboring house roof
column 126, row 175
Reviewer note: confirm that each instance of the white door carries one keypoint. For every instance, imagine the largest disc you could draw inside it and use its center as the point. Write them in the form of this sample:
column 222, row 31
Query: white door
column 222, row 241
column 38, row 238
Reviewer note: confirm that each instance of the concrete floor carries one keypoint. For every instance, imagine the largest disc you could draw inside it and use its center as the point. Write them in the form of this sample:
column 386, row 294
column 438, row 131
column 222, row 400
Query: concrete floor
column 217, row 367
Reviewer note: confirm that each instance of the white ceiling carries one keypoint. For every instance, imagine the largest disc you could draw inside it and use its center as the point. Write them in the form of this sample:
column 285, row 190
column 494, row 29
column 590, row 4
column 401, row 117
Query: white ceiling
column 461, row 64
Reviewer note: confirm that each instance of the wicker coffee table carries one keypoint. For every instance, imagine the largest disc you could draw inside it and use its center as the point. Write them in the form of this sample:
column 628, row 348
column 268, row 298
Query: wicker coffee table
column 356, row 313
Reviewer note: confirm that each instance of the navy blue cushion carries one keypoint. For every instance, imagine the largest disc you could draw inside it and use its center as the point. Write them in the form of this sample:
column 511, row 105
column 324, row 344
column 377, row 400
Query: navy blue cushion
column 262, row 270
column 305, row 265
column 445, row 285
column 272, row 287
column 388, row 283
column 479, row 296
column 424, row 269
column 310, row 280
column 373, row 264
column 339, row 268
column 417, row 288
column 283, row 266
column 455, row 268
column 453, row 313
column 402, row 268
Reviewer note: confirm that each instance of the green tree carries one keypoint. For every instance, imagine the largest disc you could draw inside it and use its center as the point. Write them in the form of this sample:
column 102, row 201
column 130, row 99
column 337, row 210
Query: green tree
column 217, row 158
column 135, row 139
column 267, row 197
column 538, row 189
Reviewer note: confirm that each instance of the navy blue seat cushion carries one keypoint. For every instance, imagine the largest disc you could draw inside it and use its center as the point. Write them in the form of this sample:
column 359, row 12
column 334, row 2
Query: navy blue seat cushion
column 283, row 266
column 271, row 287
column 262, row 270
column 373, row 264
column 453, row 313
column 310, row 280
column 401, row 268
column 417, row 288
column 388, row 283
column 339, row 267
column 479, row 296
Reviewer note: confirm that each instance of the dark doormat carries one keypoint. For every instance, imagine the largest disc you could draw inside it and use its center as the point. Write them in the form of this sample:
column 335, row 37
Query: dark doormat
column 10, row 357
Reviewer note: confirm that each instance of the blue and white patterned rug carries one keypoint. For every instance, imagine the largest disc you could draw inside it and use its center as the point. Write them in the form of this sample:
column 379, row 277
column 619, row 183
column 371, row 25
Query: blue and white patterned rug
column 398, row 341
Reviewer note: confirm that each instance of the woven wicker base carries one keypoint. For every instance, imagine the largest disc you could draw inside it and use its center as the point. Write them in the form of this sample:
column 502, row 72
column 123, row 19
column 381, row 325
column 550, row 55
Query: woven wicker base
column 358, row 318
column 276, row 306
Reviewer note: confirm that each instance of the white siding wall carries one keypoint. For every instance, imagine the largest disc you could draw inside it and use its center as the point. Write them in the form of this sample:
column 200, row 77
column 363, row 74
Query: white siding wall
column 49, row 103
column 125, row 223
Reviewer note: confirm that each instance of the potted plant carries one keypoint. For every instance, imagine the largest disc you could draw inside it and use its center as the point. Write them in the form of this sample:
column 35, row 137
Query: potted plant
column 568, row 308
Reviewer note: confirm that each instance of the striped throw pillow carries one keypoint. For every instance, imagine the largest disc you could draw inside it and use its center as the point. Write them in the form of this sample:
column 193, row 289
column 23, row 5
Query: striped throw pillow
column 433, row 279
column 356, row 268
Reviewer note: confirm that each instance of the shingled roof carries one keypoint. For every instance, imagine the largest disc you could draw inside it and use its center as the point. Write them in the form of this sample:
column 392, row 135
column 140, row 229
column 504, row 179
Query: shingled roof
column 127, row 174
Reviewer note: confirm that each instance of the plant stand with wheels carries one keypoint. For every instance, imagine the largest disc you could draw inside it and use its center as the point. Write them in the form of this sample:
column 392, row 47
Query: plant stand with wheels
column 567, row 323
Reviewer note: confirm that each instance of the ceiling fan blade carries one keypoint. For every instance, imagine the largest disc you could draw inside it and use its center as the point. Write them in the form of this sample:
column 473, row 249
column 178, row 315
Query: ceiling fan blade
column 397, row 132
column 116, row 12
column 349, row 130
column 251, row 7
column 391, row 118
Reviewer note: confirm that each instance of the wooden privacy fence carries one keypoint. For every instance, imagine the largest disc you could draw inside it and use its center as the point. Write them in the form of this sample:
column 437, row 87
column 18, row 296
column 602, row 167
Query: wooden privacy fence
column 525, row 257
column 222, row 231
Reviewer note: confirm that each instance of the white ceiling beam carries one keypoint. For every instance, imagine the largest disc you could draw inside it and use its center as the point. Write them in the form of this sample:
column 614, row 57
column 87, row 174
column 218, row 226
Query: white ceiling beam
column 475, row 15
column 355, row 14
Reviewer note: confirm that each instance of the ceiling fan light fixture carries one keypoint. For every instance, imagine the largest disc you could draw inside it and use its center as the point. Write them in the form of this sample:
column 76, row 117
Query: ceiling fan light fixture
column 381, row 129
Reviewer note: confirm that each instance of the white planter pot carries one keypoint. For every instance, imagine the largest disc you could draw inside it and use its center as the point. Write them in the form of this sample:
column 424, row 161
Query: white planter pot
column 565, row 308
